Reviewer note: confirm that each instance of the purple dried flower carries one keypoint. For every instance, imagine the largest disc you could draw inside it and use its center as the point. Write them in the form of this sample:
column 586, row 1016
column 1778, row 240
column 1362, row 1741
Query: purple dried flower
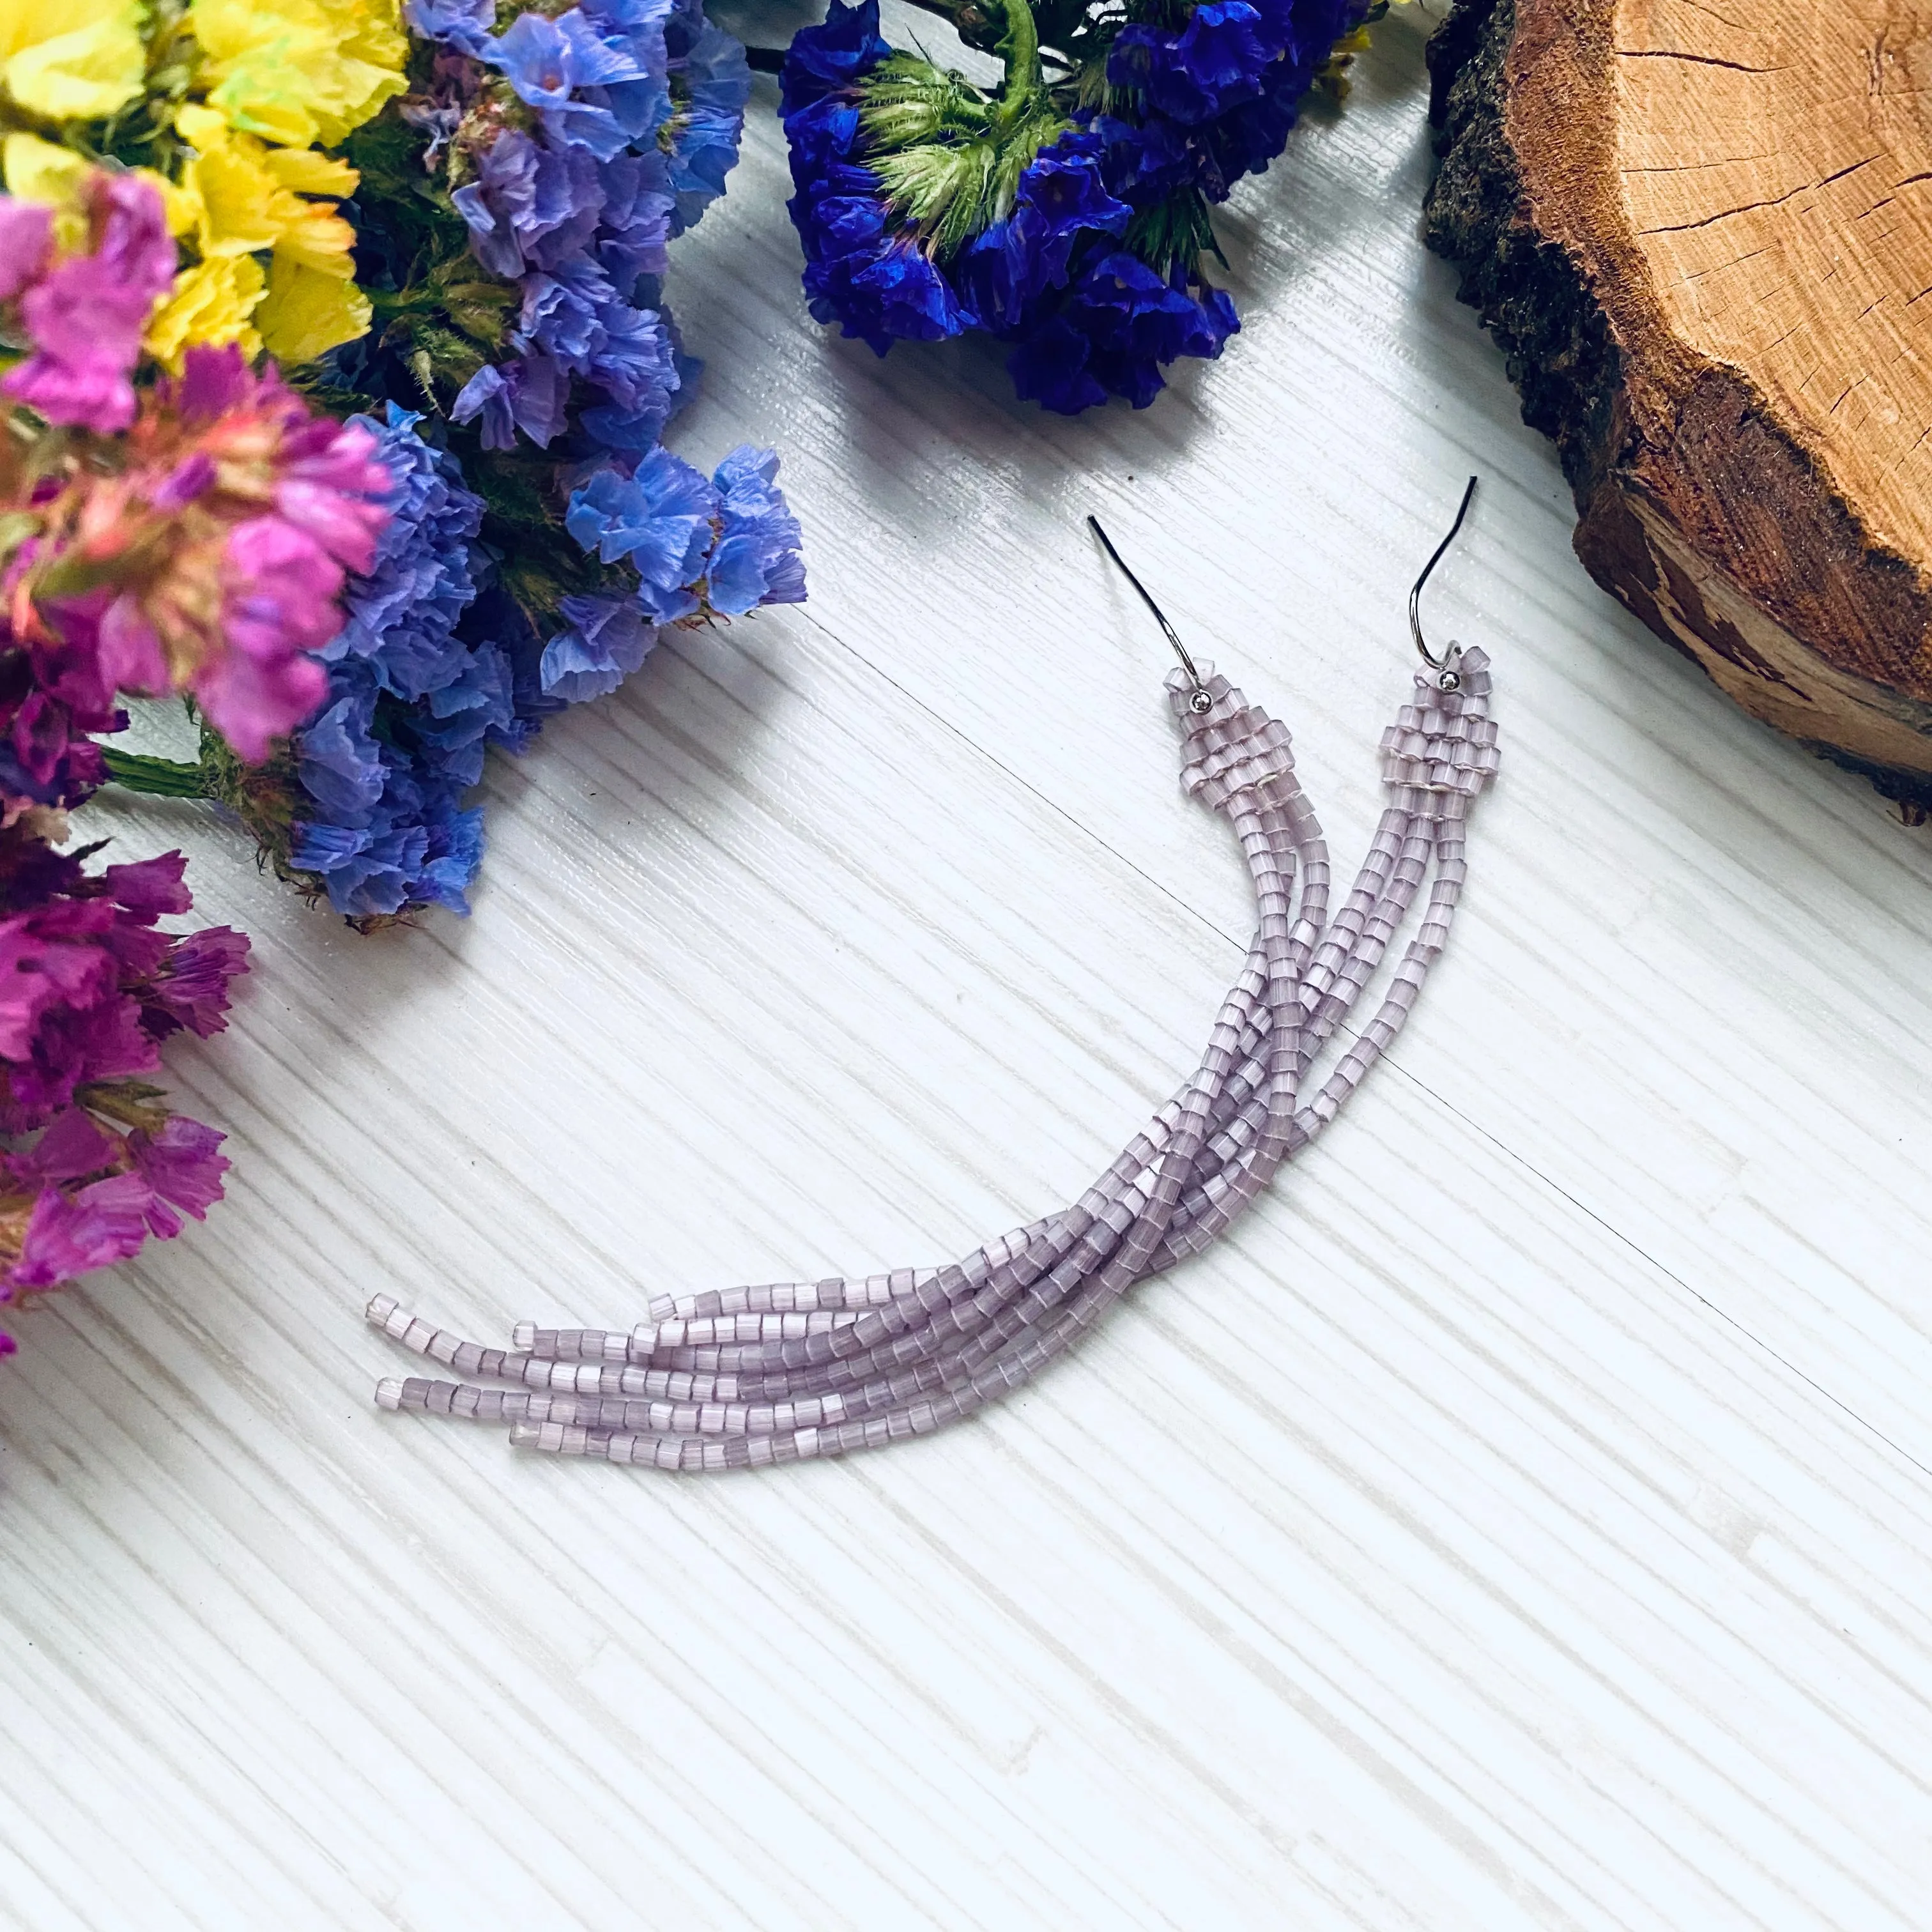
column 88, row 988
column 85, row 315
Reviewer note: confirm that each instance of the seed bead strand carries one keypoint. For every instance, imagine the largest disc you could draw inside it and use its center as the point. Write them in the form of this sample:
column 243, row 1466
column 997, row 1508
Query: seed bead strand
column 795, row 1370
column 596, row 1345
column 443, row 1351
column 1134, row 1223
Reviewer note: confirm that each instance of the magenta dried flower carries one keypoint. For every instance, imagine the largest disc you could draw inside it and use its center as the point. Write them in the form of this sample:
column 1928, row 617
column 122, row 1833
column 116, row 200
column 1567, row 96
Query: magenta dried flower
column 90, row 986
column 209, row 555
column 85, row 315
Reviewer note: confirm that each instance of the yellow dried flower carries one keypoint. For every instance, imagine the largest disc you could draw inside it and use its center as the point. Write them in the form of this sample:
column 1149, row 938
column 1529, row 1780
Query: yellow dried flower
column 299, row 71
column 211, row 303
column 37, row 170
column 309, row 311
column 77, row 60
column 242, row 198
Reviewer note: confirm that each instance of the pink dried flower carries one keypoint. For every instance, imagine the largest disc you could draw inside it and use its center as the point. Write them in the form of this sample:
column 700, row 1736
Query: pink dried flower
column 179, row 1164
column 189, row 988
column 26, row 238
column 85, row 315
column 50, row 696
column 212, row 562
column 89, row 987
column 280, row 607
column 86, row 1196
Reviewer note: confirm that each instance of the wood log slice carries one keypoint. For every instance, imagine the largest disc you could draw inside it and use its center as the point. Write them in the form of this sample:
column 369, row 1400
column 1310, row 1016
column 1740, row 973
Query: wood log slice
column 1702, row 230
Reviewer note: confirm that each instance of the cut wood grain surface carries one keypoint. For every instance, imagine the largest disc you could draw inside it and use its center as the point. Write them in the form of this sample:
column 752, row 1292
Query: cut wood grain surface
column 1704, row 235
column 1523, row 1520
column 1777, row 175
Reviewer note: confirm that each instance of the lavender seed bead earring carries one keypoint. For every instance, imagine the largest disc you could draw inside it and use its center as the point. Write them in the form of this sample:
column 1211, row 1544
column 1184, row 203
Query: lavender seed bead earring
column 794, row 1370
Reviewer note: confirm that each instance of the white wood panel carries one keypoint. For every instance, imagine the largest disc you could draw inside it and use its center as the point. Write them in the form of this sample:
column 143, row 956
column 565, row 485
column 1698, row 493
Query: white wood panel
column 1521, row 1521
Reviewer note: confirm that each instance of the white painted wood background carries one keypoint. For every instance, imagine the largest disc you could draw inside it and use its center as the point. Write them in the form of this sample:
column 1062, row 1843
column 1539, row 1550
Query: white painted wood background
column 1521, row 1521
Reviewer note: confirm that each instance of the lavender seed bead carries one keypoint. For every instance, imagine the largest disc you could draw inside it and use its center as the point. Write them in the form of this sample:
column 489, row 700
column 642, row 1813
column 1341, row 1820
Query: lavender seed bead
column 795, row 1371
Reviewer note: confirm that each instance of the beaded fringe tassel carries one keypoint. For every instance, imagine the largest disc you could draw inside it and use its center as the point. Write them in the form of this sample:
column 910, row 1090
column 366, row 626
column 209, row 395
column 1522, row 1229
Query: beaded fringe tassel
column 797, row 1369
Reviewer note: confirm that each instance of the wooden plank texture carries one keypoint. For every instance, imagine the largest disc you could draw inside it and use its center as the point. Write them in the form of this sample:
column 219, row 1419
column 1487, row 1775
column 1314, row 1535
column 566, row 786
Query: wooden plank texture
column 1521, row 1521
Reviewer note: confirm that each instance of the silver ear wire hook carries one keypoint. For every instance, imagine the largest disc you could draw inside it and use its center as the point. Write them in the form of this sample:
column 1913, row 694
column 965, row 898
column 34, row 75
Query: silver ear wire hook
column 1444, row 665
column 1202, row 701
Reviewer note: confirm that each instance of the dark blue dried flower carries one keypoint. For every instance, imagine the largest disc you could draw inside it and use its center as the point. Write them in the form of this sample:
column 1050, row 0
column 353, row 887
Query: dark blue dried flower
column 1216, row 100
column 1062, row 204
column 1120, row 324
column 1084, row 247
column 831, row 56
column 859, row 272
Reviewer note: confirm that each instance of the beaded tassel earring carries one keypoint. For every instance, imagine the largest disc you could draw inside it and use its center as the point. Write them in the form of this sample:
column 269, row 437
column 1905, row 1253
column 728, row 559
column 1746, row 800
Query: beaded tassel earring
column 798, row 1370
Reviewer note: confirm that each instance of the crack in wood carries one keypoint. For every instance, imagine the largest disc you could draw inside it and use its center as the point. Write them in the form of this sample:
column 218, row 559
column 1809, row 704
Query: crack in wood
column 1712, row 13
column 1752, row 207
column 1694, row 60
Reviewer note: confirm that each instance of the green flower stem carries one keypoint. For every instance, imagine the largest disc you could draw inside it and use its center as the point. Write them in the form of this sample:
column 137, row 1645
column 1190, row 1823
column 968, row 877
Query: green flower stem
column 159, row 777
column 1026, row 80
column 1003, row 27
column 980, row 24
column 134, row 1103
